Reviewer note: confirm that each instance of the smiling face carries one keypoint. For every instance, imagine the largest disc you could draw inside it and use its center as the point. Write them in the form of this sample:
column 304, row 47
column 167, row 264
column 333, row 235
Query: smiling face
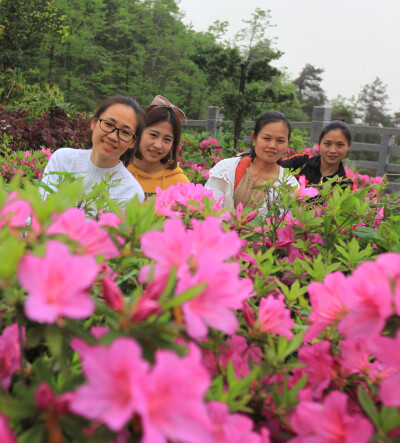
column 156, row 142
column 108, row 147
column 333, row 148
column 271, row 142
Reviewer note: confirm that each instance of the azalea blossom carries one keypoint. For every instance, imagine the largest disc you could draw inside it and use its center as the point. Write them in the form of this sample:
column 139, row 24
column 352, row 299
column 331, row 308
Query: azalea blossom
column 224, row 292
column 233, row 428
column 7, row 435
column 239, row 352
column 199, row 256
column 57, row 284
column 327, row 307
column 169, row 247
column 318, row 365
column 356, row 358
column 368, row 296
column 115, row 376
column 387, row 350
column 168, row 201
column 305, row 191
column 329, row 421
column 10, row 354
column 17, row 213
column 88, row 233
column 285, row 237
column 173, row 407
column 274, row 317
column 112, row 294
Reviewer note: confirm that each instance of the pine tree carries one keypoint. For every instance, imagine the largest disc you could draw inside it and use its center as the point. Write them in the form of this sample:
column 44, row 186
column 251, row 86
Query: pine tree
column 309, row 88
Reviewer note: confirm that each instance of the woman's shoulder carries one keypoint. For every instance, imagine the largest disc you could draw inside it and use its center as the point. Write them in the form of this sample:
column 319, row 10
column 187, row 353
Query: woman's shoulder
column 63, row 159
column 294, row 161
column 227, row 163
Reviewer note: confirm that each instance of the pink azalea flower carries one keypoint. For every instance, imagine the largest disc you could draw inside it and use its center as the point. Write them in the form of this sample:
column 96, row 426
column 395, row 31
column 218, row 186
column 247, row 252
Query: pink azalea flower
column 305, row 191
column 274, row 318
column 369, row 298
column 57, row 284
column 239, row 211
column 99, row 331
column 115, row 379
column 318, row 364
column 248, row 314
column 169, row 247
column 88, row 233
column 112, row 294
column 389, row 264
column 285, row 237
column 167, row 202
column 209, row 236
column 356, row 358
column 44, row 397
column 329, row 422
column 7, row 435
column 174, row 408
column 224, row 292
column 10, row 354
column 16, row 213
column 46, row 152
column 239, row 352
column 387, row 350
column 232, row 428
column 148, row 304
column 327, row 307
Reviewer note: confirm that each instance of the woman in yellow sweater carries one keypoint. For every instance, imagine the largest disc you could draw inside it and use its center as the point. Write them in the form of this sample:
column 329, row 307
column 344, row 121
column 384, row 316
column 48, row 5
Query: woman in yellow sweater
column 155, row 161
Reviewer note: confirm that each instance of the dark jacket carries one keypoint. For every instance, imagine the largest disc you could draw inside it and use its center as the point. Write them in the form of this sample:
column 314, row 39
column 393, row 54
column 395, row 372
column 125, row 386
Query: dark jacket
column 310, row 167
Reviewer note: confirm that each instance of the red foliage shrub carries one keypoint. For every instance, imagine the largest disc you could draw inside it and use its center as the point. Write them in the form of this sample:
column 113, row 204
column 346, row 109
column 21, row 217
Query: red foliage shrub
column 54, row 129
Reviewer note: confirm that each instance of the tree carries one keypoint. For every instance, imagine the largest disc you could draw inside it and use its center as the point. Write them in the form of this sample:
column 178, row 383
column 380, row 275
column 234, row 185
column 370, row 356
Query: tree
column 309, row 88
column 240, row 74
column 136, row 47
column 24, row 24
column 371, row 107
column 343, row 109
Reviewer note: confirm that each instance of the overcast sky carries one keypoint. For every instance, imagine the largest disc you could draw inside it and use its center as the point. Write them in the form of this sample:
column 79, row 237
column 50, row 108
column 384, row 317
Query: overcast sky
column 354, row 41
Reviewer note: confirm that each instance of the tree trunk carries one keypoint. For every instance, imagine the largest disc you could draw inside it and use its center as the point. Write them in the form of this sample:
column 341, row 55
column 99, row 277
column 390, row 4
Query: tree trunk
column 239, row 115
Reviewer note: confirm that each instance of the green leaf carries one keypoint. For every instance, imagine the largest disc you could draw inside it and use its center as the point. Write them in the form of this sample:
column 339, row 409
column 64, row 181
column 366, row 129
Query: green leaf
column 36, row 434
column 367, row 234
column 16, row 408
column 294, row 343
column 185, row 296
column 368, row 405
column 54, row 340
column 389, row 418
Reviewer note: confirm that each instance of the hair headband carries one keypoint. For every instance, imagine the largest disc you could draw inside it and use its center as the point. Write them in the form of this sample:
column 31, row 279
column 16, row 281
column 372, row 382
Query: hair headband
column 159, row 100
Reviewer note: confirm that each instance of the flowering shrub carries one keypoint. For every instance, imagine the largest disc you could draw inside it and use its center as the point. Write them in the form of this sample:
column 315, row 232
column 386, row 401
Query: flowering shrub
column 28, row 164
column 184, row 323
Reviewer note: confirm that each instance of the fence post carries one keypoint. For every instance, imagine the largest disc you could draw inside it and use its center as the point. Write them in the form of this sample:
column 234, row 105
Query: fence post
column 214, row 117
column 383, row 155
column 321, row 116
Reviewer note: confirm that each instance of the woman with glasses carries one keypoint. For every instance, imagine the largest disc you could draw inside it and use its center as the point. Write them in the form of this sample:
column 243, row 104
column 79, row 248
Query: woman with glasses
column 155, row 162
column 116, row 125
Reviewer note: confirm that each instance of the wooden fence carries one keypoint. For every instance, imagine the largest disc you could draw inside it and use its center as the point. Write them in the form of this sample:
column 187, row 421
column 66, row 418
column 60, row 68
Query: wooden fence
column 321, row 117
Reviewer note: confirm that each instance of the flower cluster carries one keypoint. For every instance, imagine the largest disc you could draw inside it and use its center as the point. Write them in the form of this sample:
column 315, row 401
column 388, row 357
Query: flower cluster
column 199, row 258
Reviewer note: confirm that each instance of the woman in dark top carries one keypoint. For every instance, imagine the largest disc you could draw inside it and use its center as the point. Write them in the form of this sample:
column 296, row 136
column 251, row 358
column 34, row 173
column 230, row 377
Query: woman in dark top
column 334, row 142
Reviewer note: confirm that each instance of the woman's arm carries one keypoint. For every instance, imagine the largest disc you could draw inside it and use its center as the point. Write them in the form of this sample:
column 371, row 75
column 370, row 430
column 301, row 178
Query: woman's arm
column 294, row 162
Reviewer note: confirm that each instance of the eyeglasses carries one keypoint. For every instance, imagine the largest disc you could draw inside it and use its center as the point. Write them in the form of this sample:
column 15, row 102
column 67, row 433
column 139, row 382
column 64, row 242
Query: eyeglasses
column 122, row 134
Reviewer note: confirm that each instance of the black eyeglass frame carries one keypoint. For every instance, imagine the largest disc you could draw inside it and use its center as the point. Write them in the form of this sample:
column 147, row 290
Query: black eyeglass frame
column 116, row 129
